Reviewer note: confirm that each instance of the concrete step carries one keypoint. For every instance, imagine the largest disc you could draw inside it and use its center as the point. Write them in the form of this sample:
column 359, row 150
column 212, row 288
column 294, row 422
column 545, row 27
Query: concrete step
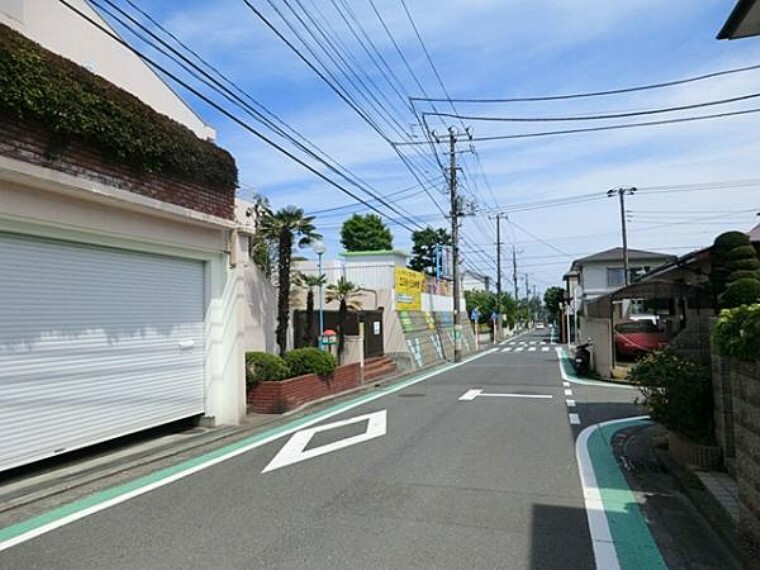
column 378, row 367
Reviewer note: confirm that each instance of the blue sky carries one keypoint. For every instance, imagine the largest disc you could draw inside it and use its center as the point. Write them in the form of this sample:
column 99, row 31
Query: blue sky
column 696, row 179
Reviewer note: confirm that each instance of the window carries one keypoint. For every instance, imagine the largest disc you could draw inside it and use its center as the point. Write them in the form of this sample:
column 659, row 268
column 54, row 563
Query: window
column 615, row 277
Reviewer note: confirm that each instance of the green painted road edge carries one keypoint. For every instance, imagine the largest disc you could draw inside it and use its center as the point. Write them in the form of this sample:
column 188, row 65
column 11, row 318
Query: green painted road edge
column 634, row 543
column 568, row 373
column 35, row 526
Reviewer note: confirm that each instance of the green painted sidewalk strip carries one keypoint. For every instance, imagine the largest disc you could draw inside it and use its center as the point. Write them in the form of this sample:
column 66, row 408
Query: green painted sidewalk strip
column 634, row 543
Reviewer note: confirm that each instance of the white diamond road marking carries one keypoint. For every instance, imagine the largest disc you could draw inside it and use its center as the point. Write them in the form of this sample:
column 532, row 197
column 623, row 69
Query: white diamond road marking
column 532, row 349
column 472, row 394
column 519, row 349
column 508, row 349
column 293, row 450
column 544, row 349
column 512, row 342
column 575, row 419
column 570, row 403
column 533, row 342
column 568, row 392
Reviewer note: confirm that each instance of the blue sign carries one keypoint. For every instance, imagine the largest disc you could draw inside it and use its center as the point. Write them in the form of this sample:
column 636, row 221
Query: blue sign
column 475, row 315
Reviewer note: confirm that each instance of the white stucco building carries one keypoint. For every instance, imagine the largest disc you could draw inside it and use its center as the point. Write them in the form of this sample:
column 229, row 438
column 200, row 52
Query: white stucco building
column 119, row 310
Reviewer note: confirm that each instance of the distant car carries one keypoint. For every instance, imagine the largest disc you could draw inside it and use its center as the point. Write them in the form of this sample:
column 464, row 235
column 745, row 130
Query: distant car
column 539, row 325
column 635, row 338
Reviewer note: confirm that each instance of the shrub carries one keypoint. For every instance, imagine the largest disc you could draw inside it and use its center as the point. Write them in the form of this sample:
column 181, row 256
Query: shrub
column 76, row 105
column 745, row 291
column 310, row 361
column 744, row 274
column 677, row 392
column 264, row 367
column 741, row 252
column 729, row 240
column 737, row 332
column 746, row 264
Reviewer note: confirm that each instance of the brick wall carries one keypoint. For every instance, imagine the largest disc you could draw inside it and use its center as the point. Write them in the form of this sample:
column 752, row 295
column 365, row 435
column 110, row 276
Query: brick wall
column 279, row 397
column 32, row 143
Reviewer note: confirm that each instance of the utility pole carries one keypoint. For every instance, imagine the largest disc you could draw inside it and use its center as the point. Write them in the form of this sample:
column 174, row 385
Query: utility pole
column 455, row 242
column 514, row 273
column 621, row 192
column 527, row 289
column 456, row 211
column 498, row 254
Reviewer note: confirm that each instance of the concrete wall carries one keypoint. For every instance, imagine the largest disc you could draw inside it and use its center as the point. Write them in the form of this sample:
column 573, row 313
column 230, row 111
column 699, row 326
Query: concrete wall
column 259, row 312
column 41, row 202
column 737, row 393
column 57, row 28
column 428, row 338
column 599, row 332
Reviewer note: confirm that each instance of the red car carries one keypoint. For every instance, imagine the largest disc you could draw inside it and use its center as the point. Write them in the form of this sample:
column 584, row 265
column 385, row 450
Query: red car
column 638, row 337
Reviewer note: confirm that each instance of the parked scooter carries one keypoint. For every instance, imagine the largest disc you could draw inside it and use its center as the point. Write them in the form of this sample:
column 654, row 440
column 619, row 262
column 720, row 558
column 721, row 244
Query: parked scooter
column 582, row 358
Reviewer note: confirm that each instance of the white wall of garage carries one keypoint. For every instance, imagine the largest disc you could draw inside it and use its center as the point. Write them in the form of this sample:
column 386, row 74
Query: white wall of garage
column 36, row 201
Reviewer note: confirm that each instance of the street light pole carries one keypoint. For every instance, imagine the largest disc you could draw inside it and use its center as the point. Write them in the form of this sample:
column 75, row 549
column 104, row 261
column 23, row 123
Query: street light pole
column 319, row 248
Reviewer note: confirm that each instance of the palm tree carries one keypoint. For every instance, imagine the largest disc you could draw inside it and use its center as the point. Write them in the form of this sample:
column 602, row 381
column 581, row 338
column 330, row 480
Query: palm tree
column 346, row 294
column 310, row 281
column 284, row 227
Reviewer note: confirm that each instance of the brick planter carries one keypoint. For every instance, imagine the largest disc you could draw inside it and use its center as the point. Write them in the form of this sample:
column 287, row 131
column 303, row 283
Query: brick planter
column 279, row 397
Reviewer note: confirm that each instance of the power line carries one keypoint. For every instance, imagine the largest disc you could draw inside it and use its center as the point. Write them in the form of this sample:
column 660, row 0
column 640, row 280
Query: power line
column 597, row 93
column 212, row 103
column 347, row 99
column 617, row 115
column 602, row 128
column 543, row 241
column 335, row 167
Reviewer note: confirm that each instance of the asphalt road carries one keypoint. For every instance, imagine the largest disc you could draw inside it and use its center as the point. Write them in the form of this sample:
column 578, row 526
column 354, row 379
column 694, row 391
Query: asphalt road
column 424, row 479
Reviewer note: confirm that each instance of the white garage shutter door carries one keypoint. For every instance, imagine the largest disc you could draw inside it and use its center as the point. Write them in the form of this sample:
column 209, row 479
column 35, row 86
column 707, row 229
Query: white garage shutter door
column 94, row 343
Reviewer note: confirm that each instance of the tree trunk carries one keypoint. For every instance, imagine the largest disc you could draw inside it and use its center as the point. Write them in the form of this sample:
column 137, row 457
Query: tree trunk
column 283, row 292
column 342, row 313
column 308, row 335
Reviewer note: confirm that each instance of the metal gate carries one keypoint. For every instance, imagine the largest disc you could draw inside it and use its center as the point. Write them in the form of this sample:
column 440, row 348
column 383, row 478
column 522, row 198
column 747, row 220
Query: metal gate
column 373, row 329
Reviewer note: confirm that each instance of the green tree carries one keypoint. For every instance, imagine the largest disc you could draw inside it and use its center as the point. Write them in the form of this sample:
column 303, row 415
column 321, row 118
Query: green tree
column 553, row 296
column 735, row 273
column 310, row 281
column 365, row 233
column 345, row 293
column 261, row 248
column 284, row 227
column 487, row 302
column 424, row 248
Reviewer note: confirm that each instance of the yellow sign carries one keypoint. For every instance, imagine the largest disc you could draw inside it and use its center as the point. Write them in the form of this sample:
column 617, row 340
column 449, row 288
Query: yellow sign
column 408, row 289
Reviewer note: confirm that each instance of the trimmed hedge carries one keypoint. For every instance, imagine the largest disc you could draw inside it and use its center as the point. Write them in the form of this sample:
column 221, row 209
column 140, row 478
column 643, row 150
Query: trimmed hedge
column 264, row 367
column 744, row 291
column 76, row 105
column 677, row 393
column 737, row 333
column 729, row 240
column 310, row 361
